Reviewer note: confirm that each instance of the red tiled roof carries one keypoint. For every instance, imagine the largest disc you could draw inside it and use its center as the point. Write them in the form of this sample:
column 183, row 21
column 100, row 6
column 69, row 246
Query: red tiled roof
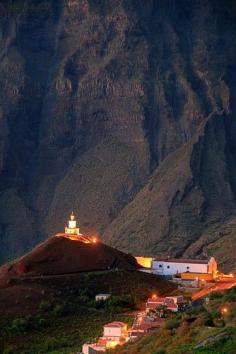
column 151, row 306
column 156, row 300
column 115, row 324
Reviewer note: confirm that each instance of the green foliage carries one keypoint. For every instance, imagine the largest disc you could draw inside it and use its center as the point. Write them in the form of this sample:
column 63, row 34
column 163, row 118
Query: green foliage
column 160, row 351
column 122, row 301
column 230, row 295
column 161, row 311
column 8, row 350
column 45, row 306
column 215, row 314
column 19, row 325
column 172, row 324
column 59, row 310
column 50, row 344
column 196, row 310
column 216, row 295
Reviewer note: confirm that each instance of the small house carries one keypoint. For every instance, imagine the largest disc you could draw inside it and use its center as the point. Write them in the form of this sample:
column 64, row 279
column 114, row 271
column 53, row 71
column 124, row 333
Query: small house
column 115, row 330
column 102, row 297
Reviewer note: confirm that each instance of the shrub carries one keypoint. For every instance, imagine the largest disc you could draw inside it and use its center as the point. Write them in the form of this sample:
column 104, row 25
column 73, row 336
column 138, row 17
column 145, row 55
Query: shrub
column 85, row 292
column 19, row 325
column 160, row 351
column 196, row 310
column 100, row 304
column 216, row 295
column 122, row 301
column 58, row 310
column 8, row 350
column 207, row 318
column 40, row 321
column 171, row 324
column 45, row 306
column 215, row 314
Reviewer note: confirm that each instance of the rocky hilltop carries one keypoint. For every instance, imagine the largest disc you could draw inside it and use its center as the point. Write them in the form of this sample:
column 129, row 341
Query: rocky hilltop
column 125, row 112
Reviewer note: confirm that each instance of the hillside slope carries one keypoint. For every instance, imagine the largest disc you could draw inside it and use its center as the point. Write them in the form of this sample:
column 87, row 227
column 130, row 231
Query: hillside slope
column 188, row 204
column 99, row 96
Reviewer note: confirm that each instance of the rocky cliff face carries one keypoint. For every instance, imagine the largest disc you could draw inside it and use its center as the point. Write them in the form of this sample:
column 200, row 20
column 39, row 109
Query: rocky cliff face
column 123, row 111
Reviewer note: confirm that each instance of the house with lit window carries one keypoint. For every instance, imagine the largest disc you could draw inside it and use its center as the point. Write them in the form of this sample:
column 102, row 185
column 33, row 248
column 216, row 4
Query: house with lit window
column 172, row 303
column 114, row 333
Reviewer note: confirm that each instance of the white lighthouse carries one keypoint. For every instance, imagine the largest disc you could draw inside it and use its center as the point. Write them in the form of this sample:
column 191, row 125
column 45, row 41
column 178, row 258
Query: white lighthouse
column 72, row 229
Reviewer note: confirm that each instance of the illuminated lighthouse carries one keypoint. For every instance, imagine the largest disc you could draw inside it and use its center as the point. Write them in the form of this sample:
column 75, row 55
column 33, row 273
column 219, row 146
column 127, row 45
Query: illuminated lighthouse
column 72, row 229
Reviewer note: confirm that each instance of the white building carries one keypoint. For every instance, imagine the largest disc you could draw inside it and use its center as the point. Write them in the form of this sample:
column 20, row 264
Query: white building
column 172, row 266
column 93, row 348
column 173, row 303
column 115, row 331
column 72, row 229
column 102, row 297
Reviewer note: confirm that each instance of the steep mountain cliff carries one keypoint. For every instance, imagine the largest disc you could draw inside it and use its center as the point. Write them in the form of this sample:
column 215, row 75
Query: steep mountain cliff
column 125, row 112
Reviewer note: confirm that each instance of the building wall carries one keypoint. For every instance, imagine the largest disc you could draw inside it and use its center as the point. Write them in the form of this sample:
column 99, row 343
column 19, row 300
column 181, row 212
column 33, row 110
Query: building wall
column 112, row 332
column 170, row 268
column 200, row 276
column 102, row 297
column 176, row 299
column 212, row 265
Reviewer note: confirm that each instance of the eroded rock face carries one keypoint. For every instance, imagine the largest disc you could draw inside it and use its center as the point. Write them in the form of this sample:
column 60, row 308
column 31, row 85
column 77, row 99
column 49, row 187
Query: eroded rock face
column 99, row 95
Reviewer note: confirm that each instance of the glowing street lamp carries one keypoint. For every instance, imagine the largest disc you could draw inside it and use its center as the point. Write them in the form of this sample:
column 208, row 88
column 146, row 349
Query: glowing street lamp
column 224, row 311
column 94, row 240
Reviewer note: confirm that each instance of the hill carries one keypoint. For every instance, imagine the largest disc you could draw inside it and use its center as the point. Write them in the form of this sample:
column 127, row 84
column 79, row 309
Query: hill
column 63, row 255
column 47, row 297
column 62, row 266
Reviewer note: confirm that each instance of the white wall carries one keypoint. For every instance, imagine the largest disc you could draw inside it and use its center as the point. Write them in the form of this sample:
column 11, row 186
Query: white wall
column 102, row 297
column 112, row 332
column 170, row 268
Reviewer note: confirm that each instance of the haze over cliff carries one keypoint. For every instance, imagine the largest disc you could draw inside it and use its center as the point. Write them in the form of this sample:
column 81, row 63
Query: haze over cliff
column 123, row 111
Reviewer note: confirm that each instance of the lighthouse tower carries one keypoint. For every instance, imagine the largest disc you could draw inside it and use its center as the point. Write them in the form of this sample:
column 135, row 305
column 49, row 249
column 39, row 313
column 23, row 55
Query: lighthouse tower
column 72, row 229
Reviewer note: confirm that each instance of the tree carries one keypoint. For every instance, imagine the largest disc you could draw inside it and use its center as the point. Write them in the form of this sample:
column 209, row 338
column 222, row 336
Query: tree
column 160, row 311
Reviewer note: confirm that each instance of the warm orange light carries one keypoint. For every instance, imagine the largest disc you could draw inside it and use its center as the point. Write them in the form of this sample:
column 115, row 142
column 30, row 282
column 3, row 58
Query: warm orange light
column 144, row 261
column 154, row 296
column 231, row 275
column 112, row 343
column 94, row 240
column 224, row 310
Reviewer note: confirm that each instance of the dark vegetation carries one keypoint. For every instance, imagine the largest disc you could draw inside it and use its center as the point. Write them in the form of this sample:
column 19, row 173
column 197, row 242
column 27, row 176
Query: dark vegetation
column 63, row 322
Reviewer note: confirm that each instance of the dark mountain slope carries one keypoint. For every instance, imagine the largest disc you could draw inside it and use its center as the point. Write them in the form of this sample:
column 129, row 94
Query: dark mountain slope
column 189, row 199
column 83, row 81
